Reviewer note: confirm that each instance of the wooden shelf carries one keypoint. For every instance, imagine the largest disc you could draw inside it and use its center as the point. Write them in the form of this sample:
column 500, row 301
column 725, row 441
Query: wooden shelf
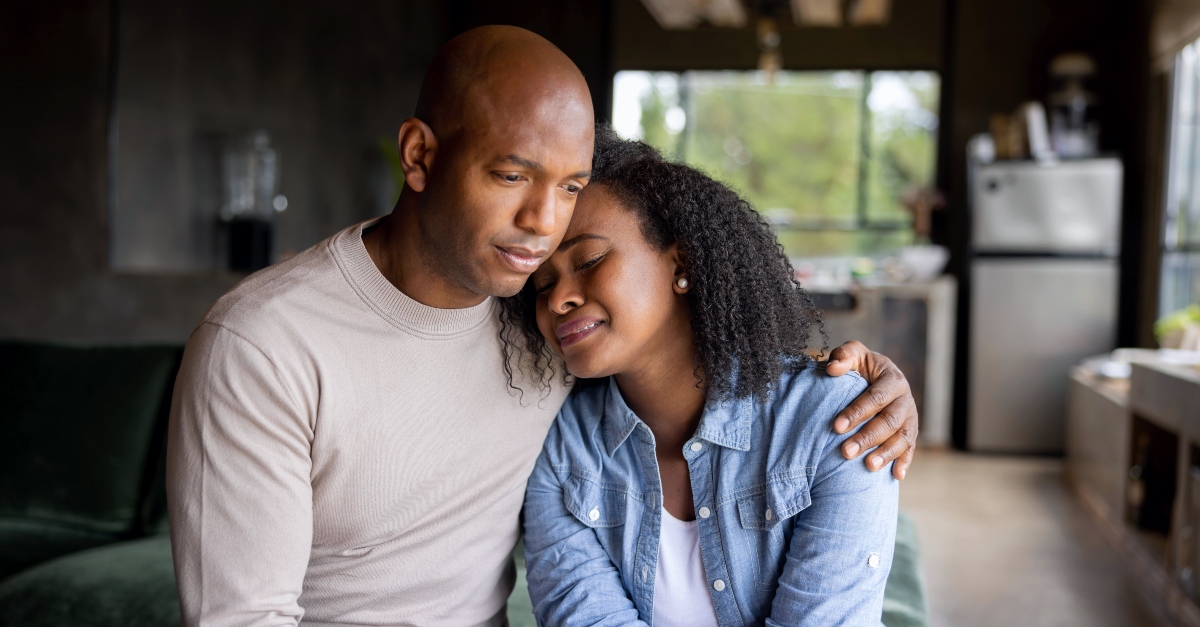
column 1131, row 446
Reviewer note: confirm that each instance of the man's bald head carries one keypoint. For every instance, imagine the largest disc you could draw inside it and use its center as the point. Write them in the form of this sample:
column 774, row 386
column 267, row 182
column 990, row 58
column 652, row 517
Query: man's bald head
column 496, row 68
column 493, row 162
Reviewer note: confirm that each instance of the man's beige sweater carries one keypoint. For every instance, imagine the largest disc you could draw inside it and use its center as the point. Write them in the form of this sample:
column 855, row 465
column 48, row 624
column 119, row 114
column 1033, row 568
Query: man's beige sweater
column 344, row 454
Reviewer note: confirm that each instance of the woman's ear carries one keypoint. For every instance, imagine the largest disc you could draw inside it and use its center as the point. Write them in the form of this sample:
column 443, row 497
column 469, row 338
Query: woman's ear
column 418, row 145
column 681, row 283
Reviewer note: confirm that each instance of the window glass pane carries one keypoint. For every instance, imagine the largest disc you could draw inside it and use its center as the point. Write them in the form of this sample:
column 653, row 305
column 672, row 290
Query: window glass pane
column 644, row 103
column 791, row 148
column 903, row 142
column 834, row 243
column 820, row 154
column 1180, row 281
column 1182, row 211
column 1180, row 285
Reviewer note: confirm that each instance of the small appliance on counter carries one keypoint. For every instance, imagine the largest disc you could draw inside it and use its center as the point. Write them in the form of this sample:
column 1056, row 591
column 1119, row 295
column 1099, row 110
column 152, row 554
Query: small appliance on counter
column 1043, row 268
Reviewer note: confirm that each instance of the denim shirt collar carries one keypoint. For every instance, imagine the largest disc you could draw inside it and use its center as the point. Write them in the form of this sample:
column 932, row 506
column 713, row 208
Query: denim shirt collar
column 725, row 423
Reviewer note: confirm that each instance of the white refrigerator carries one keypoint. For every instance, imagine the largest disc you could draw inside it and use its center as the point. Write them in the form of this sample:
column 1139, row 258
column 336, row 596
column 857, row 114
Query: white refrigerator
column 1043, row 283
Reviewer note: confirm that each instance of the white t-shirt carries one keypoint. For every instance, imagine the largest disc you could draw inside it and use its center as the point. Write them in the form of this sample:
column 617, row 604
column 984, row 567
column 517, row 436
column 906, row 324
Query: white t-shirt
column 680, row 588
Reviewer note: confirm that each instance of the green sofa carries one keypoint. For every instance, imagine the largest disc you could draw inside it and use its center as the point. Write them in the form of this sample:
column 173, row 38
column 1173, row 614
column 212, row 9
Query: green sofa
column 83, row 510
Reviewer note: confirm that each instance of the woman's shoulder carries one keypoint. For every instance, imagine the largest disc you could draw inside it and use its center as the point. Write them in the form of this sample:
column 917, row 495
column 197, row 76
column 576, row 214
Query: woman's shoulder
column 575, row 432
column 802, row 407
column 814, row 391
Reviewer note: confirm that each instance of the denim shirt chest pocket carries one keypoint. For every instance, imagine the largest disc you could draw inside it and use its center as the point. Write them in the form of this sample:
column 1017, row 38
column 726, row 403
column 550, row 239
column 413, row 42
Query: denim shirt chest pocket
column 765, row 512
column 601, row 505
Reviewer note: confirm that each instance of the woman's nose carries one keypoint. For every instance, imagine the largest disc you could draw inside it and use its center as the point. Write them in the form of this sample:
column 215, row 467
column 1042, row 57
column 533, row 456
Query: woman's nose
column 565, row 296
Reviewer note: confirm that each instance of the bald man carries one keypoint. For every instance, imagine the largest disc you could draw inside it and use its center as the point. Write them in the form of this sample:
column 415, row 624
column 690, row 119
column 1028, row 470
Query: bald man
column 343, row 446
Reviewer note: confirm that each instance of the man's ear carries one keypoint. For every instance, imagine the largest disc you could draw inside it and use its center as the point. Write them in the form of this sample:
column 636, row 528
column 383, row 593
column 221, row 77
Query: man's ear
column 418, row 145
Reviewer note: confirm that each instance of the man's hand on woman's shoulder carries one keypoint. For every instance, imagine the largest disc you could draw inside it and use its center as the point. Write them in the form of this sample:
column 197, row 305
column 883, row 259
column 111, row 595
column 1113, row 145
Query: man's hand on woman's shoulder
column 887, row 402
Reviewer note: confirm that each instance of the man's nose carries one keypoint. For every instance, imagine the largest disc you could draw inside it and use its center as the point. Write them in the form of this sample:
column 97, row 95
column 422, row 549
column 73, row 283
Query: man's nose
column 539, row 216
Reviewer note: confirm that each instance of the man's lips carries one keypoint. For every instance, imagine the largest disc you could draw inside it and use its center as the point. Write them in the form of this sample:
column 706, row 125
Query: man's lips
column 571, row 332
column 523, row 260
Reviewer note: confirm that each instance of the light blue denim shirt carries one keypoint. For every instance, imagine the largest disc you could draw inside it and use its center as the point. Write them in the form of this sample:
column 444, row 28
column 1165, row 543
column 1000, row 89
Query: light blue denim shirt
column 791, row 533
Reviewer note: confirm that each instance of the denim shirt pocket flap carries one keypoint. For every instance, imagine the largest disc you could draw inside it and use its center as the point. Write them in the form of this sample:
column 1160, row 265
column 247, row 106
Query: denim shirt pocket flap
column 780, row 498
column 594, row 504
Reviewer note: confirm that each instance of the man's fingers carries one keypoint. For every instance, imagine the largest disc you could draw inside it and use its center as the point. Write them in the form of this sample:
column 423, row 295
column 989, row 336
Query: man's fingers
column 837, row 367
column 847, row 357
column 896, row 446
column 900, row 468
column 880, row 394
column 875, row 432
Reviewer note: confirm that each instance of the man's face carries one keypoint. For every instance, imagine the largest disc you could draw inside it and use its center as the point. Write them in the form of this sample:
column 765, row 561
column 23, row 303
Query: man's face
column 502, row 190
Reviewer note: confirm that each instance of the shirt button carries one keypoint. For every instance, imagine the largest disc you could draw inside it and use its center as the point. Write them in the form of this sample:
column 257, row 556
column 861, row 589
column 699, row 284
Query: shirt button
column 769, row 515
column 704, row 513
column 645, row 572
column 718, row 585
column 594, row 514
column 696, row 446
column 873, row 561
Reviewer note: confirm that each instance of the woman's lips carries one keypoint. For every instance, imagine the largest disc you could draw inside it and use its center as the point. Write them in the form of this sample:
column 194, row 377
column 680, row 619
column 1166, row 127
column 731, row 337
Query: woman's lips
column 573, row 332
column 522, row 260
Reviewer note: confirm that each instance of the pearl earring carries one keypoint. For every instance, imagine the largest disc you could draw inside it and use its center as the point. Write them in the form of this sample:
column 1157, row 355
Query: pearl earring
column 682, row 283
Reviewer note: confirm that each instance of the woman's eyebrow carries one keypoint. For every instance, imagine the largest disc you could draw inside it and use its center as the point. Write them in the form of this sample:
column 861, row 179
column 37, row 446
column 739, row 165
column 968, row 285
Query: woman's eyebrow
column 578, row 238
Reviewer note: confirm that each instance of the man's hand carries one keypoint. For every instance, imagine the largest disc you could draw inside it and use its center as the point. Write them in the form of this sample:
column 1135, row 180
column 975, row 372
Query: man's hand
column 888, row 399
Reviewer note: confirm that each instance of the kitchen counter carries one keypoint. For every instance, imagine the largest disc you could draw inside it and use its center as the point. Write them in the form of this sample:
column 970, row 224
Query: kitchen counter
column 911, row 323
column 1168, row 395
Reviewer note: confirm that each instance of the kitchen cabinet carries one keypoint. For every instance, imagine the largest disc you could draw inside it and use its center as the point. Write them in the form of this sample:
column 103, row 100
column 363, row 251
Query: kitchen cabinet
column 911, row 323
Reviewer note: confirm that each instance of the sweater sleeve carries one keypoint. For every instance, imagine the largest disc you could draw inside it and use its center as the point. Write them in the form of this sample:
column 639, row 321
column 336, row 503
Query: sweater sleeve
column 239, row 490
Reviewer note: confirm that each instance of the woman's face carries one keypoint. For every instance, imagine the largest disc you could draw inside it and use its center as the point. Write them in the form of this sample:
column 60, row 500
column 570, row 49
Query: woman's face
column 607, row 300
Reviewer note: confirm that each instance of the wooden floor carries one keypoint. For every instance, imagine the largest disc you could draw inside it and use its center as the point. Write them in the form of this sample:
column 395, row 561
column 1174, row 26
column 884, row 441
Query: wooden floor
column 1005, row 543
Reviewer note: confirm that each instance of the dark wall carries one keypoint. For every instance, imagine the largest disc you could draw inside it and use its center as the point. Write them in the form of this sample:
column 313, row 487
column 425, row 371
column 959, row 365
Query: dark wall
column 327, row 79
column 328, row 82
column 55, row 66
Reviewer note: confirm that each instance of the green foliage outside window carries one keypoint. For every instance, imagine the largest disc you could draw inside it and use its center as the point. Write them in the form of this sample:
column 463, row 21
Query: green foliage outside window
column 825, row 156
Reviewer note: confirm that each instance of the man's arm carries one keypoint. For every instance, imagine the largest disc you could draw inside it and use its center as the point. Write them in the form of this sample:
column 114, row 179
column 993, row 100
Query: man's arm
column 238, row 488
column 889, row 399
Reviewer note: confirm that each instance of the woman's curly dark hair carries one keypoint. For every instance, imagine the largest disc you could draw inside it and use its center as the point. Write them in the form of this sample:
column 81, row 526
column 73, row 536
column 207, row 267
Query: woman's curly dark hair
column 750, row 318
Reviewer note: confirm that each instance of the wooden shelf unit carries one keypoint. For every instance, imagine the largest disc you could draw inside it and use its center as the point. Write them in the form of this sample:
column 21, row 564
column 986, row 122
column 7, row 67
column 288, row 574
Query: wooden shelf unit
column 1133, row 455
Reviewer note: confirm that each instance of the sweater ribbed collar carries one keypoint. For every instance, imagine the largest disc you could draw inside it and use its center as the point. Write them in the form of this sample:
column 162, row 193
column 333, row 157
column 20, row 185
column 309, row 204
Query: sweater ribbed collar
column 396, row 306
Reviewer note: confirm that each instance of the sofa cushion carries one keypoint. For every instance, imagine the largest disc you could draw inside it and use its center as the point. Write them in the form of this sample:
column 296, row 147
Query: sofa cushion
column 79, row 440
column 130, row 584
column 25, row 543
column 904, row 597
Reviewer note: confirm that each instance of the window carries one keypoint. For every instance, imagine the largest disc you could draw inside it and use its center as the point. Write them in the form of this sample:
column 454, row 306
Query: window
column 1181, row 224
column 825, row 156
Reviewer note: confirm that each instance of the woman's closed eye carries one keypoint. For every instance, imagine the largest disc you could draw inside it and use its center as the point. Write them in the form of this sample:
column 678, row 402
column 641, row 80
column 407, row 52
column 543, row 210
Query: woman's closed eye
column 591, row 262
column 548, row 284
